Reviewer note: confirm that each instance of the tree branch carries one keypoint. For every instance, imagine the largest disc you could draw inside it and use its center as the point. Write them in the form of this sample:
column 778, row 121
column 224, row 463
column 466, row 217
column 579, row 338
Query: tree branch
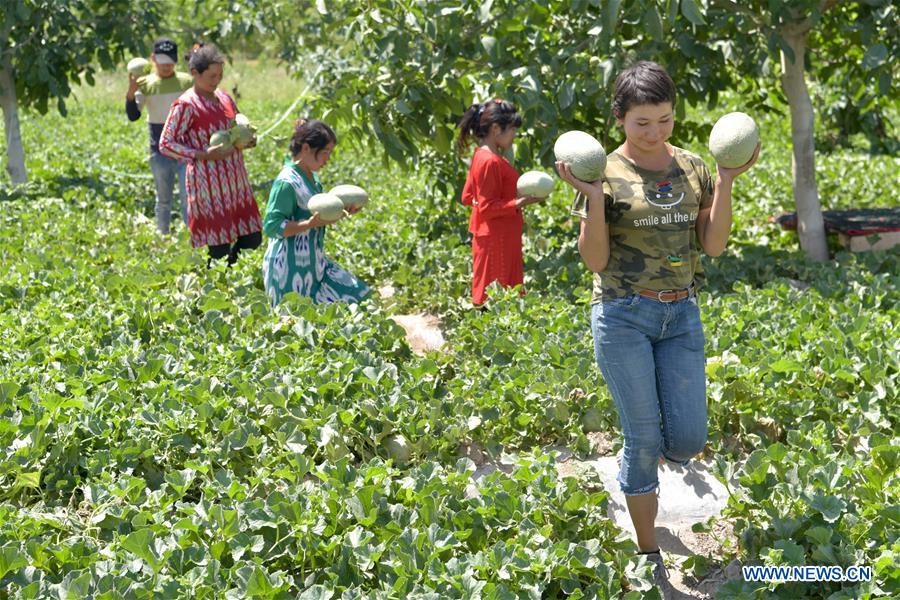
column 5, row 47
column 10, row 49
column 804, row 25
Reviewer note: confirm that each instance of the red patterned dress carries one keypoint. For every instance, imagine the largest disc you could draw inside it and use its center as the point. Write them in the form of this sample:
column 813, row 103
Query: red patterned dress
column 221, row 205
column 496, row 223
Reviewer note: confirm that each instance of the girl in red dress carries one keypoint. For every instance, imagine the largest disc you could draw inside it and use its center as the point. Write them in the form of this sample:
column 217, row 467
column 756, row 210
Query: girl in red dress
column 496, row 221
column 222, row 211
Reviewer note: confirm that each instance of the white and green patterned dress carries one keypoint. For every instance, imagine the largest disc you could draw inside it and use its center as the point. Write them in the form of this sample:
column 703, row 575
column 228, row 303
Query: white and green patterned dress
column 298, row 263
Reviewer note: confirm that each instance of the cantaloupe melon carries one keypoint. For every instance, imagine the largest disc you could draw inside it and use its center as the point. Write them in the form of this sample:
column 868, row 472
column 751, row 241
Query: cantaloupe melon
column 535, row 183
column 350, row 195
column 327, row 205
column 733, row 139
column 138, row 67
column 241, row 136
column 584, row 154
column 220, row 138
column 242, row 133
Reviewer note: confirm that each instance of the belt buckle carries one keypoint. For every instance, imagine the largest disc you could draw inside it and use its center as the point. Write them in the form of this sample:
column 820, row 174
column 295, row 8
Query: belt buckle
column 661, row 292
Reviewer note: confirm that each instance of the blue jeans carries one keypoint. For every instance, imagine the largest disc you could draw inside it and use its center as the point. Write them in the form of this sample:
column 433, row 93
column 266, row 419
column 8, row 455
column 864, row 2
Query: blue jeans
column 164, row 170
column 651, row 356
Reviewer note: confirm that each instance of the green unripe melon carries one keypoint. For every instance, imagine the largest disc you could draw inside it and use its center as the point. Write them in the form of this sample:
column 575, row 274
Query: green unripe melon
column 397, row 449
column 592, row 420
column 535, row 183
column 733, row 139
column 220, row 138
column 241, row 136
column 584, row 154
column 327, row 205
column 138, row 67
column 350, row 195
column 242, row 132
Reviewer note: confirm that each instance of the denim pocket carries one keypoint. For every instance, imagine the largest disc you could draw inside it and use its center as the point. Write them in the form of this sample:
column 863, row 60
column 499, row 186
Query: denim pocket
column 623, row 302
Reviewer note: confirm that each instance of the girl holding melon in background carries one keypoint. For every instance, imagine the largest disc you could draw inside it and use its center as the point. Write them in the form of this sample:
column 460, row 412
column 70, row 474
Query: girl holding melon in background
column 222, row 211
column 295, row 260
column 490, row 189
column 643, row 226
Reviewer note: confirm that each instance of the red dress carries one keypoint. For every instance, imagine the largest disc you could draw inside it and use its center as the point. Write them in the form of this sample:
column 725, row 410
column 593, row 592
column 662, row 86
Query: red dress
column 220, row 201
column 495, row 225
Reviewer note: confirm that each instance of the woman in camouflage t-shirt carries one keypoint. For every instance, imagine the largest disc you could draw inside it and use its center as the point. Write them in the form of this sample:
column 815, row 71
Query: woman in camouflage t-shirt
column 643, row 227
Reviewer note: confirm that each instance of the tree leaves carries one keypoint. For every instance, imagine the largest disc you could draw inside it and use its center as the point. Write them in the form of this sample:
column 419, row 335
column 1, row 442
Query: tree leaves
column 55, row 42
column 653, row 22
column 693, row 12
column 875, row 57
column 611, row 16
column 557, row 87
column 566, row 95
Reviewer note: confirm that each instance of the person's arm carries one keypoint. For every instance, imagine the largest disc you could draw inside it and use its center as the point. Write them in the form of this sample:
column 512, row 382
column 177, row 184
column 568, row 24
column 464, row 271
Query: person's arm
column 293, row 228
column 279, row 211
column 177, row 125
column 132, row 110
column 714, row 222
column 468, row 193
column 593, row 237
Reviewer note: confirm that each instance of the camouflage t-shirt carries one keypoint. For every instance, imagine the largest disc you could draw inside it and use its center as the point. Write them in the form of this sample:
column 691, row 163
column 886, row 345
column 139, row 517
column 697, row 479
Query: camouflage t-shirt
column 651, row 216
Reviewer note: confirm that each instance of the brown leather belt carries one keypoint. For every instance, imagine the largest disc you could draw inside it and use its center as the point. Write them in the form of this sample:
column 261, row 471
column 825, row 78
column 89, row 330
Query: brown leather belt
column 666, row 295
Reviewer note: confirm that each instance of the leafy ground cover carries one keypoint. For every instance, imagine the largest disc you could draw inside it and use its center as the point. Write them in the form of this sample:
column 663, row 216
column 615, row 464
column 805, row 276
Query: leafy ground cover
column 165, row 431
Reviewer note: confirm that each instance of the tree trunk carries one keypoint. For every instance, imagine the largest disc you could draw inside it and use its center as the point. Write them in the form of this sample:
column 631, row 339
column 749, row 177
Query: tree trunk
column 15, row 153
column 810, row 224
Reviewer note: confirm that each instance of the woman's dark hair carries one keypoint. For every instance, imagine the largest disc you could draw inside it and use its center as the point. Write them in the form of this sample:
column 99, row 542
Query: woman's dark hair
column 477, row 120
column 315, row 133
column 204, row 55
column 644, row 83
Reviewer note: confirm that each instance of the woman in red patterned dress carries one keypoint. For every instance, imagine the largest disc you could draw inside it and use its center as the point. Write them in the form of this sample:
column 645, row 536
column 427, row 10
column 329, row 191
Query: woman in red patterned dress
column 222, row 211
column 496, row 221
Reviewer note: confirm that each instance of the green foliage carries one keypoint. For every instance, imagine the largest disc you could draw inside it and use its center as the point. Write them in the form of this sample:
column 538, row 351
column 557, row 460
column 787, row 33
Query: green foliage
column 51, row 45
column 849, row 45
column 399, row 74
column 817, row 499
column 237, row 27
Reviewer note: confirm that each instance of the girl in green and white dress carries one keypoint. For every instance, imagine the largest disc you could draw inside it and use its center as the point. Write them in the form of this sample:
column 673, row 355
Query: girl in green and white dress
column 295, row 260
